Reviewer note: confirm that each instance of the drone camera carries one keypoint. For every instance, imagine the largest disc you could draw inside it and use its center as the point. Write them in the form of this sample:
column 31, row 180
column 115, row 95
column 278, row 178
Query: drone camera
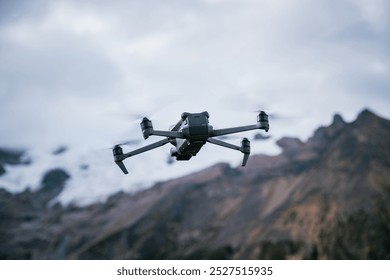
column 146, row 127
column 262, row 120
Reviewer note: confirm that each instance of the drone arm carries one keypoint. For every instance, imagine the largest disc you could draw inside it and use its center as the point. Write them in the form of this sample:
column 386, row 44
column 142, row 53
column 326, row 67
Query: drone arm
column 244, row 148
column 146, row 148
column 224, row 131
column 147, row 130
column 171, row 134
column 223, row 144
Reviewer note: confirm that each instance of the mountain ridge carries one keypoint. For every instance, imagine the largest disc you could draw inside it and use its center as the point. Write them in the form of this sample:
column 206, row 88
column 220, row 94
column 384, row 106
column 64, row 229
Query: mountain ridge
column 326, row 198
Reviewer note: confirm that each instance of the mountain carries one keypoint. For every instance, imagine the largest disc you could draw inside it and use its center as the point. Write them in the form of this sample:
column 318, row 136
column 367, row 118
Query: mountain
column 327, row 198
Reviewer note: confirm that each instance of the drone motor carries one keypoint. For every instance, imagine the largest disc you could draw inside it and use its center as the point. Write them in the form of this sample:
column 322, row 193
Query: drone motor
column 118, row 153
column 262, row 120
column 146, row 127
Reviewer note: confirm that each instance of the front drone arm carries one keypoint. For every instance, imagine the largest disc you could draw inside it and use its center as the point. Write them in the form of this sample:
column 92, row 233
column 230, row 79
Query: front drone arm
column 119, row 156
column 245, row 147
column 146, row 148
column 262, row 123
column 223, row 144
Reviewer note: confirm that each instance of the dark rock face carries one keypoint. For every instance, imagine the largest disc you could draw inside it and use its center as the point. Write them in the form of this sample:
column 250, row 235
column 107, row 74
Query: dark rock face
column 27, row 225
column 328, row 198
column 52, row 185
column 60, row 150
column 10, row 157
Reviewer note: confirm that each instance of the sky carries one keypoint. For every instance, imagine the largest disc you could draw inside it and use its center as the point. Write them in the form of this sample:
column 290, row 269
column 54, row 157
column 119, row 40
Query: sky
column 81, row 73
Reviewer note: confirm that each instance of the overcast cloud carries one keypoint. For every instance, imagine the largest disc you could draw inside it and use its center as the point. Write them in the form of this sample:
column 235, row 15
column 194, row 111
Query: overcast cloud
column 76, row 72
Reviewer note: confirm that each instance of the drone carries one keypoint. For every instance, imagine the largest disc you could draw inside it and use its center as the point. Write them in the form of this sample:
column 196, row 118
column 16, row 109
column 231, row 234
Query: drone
column 189, row 135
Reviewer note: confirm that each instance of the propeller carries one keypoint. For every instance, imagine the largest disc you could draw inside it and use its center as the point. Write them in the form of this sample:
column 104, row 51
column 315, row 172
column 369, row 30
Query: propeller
column 276, row 115
column 150, row 113
column 272, row 114
column 131, row 142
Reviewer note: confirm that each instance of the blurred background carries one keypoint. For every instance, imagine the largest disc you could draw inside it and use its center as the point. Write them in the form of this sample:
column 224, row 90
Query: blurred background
column 80, row 75
column 76, row 77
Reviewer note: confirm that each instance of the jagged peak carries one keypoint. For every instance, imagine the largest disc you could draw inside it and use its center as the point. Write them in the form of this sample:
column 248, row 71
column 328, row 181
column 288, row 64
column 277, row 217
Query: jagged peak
column 366, row 115
column 291, row 145
column 326, row 134
column 338, row 119
column 322, row 135
column 366, row 112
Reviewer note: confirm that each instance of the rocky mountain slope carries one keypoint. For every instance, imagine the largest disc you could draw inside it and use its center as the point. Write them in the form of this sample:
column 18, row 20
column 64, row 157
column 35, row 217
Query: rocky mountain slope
column 327, row 198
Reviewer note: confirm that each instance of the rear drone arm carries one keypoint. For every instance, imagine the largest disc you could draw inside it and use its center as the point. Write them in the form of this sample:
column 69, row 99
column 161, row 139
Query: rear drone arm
column 119, row 156
column 245, row 147
column 147, row 130
column 224, row 131
column 171, row 134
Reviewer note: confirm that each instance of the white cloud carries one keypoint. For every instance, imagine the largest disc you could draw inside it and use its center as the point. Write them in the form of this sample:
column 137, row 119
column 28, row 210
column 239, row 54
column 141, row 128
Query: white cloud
column 64, row 17
column 374, row 12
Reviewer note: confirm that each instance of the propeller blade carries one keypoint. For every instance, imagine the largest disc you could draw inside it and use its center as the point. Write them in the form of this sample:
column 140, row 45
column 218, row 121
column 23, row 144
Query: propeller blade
column 129, row 142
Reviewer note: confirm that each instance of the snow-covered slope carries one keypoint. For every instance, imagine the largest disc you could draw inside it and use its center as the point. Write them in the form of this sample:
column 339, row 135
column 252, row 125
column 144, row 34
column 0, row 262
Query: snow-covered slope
column 94, row 175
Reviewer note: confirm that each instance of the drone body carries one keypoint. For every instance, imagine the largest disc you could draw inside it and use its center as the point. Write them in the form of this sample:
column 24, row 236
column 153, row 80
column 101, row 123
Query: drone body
column 189, row 135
